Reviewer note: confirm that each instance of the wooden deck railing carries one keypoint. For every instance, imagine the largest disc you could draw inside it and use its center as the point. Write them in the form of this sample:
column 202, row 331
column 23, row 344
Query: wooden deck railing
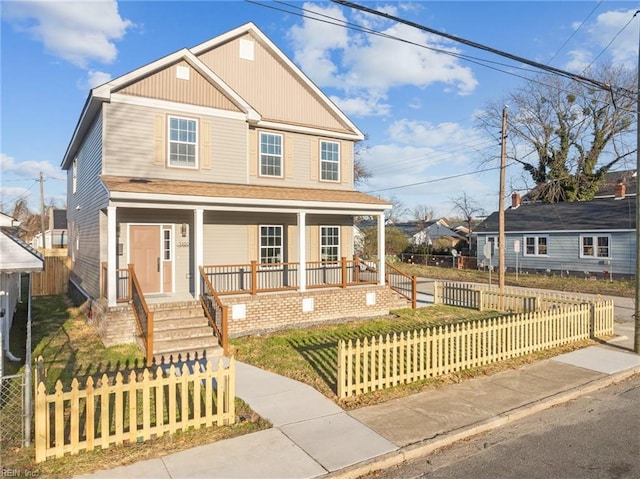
column 123, row 291
column 254, row 278
column 144, row 316
column 402, row 283
column 214, row 309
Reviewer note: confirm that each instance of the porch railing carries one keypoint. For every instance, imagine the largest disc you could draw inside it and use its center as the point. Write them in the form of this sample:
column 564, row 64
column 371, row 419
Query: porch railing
column 402, row 283
column 123, row 290
column 215, row 310
column 254, row 278
column 144, row 316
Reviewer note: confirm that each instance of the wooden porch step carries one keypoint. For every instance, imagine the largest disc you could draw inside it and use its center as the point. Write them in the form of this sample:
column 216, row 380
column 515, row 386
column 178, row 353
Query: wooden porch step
column 172, row 334
column 174, row 313
column 179, row 323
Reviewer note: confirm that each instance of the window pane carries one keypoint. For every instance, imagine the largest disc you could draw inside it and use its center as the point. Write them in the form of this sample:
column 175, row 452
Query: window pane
column 542, row 246
column 587, row 246
column 603, row 246
column 330, row 243
column 270, row 154
column 270, row 244
column 182, row 142
column 530, row 245
column 329, row 160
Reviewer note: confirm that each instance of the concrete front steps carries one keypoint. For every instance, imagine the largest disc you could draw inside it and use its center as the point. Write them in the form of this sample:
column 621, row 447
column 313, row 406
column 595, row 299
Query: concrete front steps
column 181, row 332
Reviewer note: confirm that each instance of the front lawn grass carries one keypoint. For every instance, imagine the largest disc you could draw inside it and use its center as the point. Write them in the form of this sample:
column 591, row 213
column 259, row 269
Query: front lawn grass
column 72, row 348
column 309, row 355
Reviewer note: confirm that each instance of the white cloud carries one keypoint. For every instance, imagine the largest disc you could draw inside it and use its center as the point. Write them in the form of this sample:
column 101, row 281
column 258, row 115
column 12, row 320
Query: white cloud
column 78, row 32
column 624, row 49
column 29, row 168
column 367, row 66
column 97, row 78
column 580, row 59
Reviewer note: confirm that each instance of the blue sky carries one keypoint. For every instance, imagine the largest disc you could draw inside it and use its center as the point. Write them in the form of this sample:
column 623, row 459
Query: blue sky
column 416, row 106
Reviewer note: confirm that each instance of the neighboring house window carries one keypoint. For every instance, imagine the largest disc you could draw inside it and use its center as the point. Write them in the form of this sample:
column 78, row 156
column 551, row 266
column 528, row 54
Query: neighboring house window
column 329, row 243
column 74, row 173
column 595, row 246
column 493, row 240
column 536, row 245
column 183, row 142
column 270, row 154
column 330, row 161
column 270, row 244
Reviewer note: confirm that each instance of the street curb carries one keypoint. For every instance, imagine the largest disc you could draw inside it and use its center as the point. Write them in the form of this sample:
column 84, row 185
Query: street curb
column 428, row 446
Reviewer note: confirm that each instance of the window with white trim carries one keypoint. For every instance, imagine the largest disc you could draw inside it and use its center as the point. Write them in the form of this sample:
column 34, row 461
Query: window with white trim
column 595, row 246
column 166, row 244
column 493, row 240
column 270, row 244
column 74, row 174
column 536, row 245
column 329, row 161
column 329, row 243
column 270, row 154
column 183, row 142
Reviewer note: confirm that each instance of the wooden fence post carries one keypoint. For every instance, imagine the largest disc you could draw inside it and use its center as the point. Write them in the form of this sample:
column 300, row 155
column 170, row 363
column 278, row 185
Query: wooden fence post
column 254, row 277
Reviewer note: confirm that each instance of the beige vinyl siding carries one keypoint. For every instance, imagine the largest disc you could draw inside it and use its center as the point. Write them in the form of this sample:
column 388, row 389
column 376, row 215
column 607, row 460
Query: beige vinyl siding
column 86, row 247
column 136, row 145
column 197, row 90
column 301, row 162
column 279, row 95
column 181, row 246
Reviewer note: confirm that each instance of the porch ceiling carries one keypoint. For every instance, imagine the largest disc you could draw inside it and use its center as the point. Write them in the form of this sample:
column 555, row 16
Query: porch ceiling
column 147, row 188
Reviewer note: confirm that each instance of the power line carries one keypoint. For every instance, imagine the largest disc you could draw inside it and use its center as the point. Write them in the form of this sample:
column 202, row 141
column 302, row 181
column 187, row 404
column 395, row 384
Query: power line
column 526, row 61
column 574, row 32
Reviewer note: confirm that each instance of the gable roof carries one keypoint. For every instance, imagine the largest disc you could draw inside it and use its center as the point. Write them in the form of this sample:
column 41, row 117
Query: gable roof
column 16, row 255
column 596, row 215
column 101, row 94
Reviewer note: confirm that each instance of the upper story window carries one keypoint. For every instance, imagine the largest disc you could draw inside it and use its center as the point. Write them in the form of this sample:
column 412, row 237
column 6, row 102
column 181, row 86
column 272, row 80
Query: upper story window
column 595, row 246
column 270, row 154
column 536, row 245
column 329, row 161
column 183, row 142
column 270, row 244
column 74, row 173
column 329, row 243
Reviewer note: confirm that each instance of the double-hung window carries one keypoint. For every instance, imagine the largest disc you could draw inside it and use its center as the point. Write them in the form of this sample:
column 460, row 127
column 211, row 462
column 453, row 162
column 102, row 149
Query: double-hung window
column 329, row 161
column 270, row 154
column 329, row 243
column 595, row 246
column 536, row 245
column 183, row 142
column 270, row 244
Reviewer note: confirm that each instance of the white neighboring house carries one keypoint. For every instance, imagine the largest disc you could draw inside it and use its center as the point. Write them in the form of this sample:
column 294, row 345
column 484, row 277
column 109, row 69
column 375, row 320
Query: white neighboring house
column 56, row 234
column 16, row 257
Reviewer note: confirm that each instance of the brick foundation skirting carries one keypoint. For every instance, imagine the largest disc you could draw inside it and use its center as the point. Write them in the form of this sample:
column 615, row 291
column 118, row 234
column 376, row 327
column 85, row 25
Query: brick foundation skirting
column 272, row 312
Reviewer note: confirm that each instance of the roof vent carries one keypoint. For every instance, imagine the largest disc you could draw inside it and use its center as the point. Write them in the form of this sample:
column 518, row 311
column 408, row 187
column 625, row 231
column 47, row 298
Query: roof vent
column 182, row 72
column 246, row 49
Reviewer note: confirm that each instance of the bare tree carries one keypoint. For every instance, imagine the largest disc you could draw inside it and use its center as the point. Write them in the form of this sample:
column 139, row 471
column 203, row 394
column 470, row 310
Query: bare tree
column 469, row 209
column 360, row 171
column 422, row 213
column 575, row 132
column 397, row 212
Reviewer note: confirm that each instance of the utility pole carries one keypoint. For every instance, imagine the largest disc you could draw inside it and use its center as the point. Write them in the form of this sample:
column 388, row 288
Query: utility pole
column 636, row 340
column 42, row 208
column 503, row 167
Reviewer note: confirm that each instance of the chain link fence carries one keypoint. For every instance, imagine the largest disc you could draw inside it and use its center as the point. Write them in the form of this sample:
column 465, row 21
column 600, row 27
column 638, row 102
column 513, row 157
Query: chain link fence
column 12, row 413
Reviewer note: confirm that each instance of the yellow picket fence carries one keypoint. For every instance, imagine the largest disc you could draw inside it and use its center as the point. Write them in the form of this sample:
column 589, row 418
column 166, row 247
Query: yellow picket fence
column 132, row 408
column 516, row 300
column 380, row 362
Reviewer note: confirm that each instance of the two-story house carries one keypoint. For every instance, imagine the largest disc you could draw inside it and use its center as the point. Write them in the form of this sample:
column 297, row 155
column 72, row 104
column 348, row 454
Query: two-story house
column 220, row 167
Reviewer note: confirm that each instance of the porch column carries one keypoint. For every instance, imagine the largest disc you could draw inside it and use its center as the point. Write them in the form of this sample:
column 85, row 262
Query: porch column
column 381, row 250
column 112, row 250
column 198, row 248
column 302, row 251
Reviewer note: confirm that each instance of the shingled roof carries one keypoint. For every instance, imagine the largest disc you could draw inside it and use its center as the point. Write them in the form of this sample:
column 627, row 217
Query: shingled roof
column 596, row 215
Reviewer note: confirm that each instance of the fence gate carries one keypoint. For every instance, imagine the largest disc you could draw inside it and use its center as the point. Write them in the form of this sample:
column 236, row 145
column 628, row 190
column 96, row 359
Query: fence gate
column 12, row 413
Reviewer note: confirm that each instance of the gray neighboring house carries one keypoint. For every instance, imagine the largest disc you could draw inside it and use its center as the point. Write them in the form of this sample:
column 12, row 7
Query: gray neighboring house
column 56, row 235
column 592, row 238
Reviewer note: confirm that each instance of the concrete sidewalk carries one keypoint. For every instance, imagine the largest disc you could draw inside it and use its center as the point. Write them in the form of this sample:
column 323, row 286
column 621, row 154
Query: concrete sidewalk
column 313, row 437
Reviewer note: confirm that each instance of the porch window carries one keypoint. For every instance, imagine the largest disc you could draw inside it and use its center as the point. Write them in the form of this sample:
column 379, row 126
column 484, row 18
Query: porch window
column 330, row 161
column 330, row 243
column 595, row 246
column 270, row 154
column 183, row 142
column 270, row 244
column 536, row 245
